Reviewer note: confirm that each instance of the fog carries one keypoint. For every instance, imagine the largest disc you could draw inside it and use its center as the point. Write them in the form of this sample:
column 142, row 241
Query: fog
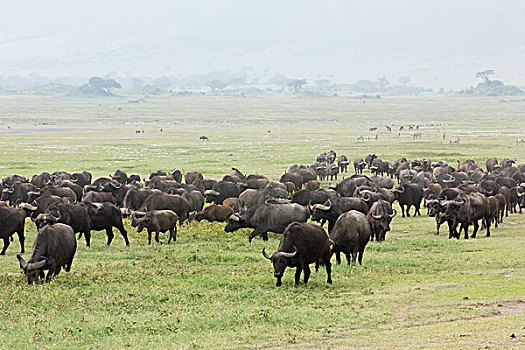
column 435, row 43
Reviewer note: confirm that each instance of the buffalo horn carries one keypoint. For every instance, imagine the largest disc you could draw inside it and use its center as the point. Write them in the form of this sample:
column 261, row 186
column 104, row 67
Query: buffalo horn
column 269, row 257
column 234, row 218
column 332, row 244
column 393, row 214
column 377, row 217
column 37, row 265
column 367, row 198
column 290, row 255
column 115, row 186
column 28, row 206
column 212, row 192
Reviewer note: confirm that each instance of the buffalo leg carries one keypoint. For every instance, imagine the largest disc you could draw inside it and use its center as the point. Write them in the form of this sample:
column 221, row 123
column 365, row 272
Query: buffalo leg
column 354, row 256
column 50, row 273
column 68, row 266
column 149, row 237
column 402, row 210
column 348, row 258
column 87, row 234
column 123, row 232
column 438, row 225
column 258, row 232
column 328, row 266
column 306, row 273
column 173, row 234
column 157, row 236
column 465, row 227
column 57, row 271
column 109, row 233
column 298, row 274
column 6, row 244
column 488, row 226
column 476, row 227
column 417, row 210
column 21, row 239
column 360, row 257
column 408, row 210
column 338, row 258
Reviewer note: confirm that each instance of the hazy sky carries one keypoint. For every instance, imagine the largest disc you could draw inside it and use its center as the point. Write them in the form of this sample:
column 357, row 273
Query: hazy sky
column 436, row 43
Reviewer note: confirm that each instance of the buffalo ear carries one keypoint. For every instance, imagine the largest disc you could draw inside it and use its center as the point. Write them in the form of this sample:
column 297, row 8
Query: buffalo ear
column 23, row 263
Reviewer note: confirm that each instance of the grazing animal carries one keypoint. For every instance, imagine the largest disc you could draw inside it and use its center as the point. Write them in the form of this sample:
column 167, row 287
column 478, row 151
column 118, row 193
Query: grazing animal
column 379, row 216
column 350, row 236
column 11, row 220
column 302, row 244
column 266, row 217
column 54, row 247
column 204, row 138
column 157, row 221
column 220, row 213
column 454, row 140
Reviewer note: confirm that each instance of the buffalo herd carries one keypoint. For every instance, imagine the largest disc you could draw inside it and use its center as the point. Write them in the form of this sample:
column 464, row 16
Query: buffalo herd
column 357, row 209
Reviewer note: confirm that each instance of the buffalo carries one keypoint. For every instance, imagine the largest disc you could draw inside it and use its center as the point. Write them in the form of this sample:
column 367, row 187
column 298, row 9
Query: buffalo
column 54, row 247
column 350, row 236
column 302, row 244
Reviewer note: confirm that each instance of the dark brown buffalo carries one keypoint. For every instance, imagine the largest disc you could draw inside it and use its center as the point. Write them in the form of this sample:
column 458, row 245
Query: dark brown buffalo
column 195, row 200
column 312, row 185
column 163, row 201
column 267, row 217
column 302, row 244
column 350, row 236
column 40, row 205
column 220, row 213
column 234, row 203
column 334, row 207
column 54, row 247
column 157, row 221
column 11, row 220
column 191, row 176
column 105, row 216
column 73, row 215
column 99, row 197
column 379, row 216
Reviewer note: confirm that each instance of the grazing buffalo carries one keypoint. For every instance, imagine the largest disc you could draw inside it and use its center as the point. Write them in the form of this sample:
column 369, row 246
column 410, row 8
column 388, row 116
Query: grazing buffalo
column 81, row 179
column 120, row 176
column 345, row 188
column 157, row 221
column 220, row 191
column 219, row 213
column 234, row 203
column 74, row 215
column 99, row 197
column 195, row 199
column 409, row 195
column 163, row 201
column 265, row 217
column 359, row 165
column 64, row 192
column 54, row 247
column 305, row 197
column 105, row 216
column 342, row 162
column 294, row 178
column 11, row 220
column 350, row 236
column 40, row 205
column 191, row 176
column 18, row 193
column 379, row 216
column 467, row 209
column 302, row 244
column 334, row 207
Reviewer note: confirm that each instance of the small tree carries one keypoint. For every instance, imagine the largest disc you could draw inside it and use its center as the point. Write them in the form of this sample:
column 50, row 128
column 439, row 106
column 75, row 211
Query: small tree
column 296, row 84
column 216, row 85
column 484, row 75
column 404, row 79
column 103, row 86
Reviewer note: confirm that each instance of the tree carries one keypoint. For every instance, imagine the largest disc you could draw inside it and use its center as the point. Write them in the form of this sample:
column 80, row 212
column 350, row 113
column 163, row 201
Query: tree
column 484, row 75
column 216, row 85
column 404, row 79
column 103, row 86
column 296, row 84
column 383, row 83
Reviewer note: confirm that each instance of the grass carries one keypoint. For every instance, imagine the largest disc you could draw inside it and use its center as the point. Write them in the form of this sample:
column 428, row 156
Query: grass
column 213, row 289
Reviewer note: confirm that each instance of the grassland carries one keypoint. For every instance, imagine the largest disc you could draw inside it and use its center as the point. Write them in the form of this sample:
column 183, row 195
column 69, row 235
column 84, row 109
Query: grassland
column 215, row 290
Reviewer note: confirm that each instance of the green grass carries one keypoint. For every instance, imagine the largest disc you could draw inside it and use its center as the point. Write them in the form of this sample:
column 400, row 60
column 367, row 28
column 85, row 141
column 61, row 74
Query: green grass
column 213, row 289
